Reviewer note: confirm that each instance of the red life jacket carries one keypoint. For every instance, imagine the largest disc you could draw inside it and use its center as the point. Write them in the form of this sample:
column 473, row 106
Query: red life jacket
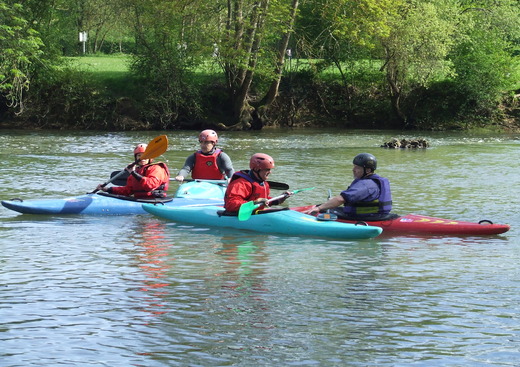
column 142, row 188
column 206, row 167
column 254, row 191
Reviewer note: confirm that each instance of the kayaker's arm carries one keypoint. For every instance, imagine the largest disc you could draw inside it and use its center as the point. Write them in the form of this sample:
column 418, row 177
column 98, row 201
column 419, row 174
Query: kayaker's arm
column 224, row 164
column 281, row 200
column 186, row 169
column 333, row 202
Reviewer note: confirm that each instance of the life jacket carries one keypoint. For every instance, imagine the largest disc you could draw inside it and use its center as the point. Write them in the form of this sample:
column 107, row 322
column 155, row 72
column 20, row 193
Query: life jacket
column 259, row 189
column 206, row 167
column 382, row 205
column 160, row 191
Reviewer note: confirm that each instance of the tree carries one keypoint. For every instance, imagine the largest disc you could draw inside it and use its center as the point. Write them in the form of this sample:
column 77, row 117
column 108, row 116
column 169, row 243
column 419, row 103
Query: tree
column 415, row 51
column 484, row 54
column 21, row 48
column 99, row 18
column 346, row 34
column 249, row 24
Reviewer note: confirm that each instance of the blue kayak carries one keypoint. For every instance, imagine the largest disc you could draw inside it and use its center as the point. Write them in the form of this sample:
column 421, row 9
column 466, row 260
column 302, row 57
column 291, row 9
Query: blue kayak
column 192, row 188
column 276, row 221
column 202, row 189
column 98, row 204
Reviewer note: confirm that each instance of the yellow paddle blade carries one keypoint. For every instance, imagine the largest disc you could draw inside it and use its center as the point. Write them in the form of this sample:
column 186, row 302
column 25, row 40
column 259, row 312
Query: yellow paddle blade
column 156, row 147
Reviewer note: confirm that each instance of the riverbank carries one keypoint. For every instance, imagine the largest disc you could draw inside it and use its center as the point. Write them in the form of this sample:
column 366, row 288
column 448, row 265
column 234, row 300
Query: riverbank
column 100, row 93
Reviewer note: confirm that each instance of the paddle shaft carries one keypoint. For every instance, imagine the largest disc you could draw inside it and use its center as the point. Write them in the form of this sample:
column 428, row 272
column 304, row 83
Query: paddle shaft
column 120, row 180
column 272, row 184
column 247, row 209
column 284, row 195
column 115, row 177
column 155, row 148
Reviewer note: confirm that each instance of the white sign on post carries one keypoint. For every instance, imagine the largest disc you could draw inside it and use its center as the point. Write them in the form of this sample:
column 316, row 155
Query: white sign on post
column 83, row 39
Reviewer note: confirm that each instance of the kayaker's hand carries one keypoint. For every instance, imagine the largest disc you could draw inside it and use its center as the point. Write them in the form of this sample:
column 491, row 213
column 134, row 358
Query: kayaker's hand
column 101, row 187
column 312, row 211
column 179, row 178
column 287, row 194
column 130, row 168
column 262, row 201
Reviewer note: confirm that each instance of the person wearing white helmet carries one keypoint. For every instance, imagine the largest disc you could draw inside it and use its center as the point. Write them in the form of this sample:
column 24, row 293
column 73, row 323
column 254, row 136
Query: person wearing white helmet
column 367, row 198
column 250, row 185
column 146, row 179
column 209, row 162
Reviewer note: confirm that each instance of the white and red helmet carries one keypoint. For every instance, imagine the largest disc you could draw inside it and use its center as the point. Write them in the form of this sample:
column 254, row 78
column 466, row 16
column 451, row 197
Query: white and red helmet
column 208, row 135
column 260, row 161
column 140, row 148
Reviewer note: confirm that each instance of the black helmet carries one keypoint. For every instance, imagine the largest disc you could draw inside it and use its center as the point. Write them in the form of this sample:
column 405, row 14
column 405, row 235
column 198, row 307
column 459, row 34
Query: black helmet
column 365, row 160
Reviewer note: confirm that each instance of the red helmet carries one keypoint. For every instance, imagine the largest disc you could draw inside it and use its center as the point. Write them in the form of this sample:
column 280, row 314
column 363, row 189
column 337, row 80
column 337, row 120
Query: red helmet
column 208, row 135
column 140, row 148
column 261, row 161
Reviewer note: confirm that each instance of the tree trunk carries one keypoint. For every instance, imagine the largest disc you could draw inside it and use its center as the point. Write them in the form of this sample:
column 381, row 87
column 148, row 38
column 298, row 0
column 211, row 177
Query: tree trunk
column 252, row 115
column 392, row 77
column 240, row 78
column 272, row 93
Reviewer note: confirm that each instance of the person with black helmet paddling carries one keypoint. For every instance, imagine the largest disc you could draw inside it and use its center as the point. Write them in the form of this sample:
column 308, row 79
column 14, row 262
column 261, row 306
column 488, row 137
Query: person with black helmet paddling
column 209, row 162
column 367, row 198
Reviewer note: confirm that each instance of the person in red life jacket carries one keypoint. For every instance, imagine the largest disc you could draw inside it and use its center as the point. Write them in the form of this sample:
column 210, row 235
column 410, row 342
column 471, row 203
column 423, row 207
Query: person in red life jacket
column 250, row 185
column 146, row 180
column 367, row 198
column 208, row 163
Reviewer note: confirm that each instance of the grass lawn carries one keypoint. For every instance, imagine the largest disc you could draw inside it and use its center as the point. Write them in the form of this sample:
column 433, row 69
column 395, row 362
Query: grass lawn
column 115, row 64
column 110, row 71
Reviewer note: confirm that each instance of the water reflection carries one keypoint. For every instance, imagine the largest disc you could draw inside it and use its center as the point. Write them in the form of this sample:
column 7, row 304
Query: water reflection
column 243, row 275
column 155, row 262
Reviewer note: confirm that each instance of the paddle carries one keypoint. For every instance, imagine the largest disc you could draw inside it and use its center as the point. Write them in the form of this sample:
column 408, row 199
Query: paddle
column 247, row 209
column 155, row 148
column 121, row 181
column 278, row 185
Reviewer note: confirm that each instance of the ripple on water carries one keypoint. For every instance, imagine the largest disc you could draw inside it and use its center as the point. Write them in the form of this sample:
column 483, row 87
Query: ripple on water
column 120, row 291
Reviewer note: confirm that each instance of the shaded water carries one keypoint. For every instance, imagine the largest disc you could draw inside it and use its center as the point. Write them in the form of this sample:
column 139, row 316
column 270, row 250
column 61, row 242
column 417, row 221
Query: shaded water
column 139, row 291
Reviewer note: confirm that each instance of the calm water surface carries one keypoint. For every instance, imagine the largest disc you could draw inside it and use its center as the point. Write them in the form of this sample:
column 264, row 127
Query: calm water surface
column 139, row 291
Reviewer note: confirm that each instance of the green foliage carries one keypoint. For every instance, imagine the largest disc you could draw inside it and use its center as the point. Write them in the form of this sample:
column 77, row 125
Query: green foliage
column 67, row 98
column 484, row 55
column 166, row 52
column 169, row 97
column 20, row 47
column 432, row 59
column 418, row 44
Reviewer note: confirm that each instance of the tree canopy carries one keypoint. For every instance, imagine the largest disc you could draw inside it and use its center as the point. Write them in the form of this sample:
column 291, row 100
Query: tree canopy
column 225, row 62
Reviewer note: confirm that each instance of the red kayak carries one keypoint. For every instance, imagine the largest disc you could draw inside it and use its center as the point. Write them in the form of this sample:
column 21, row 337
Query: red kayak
column 423, row 225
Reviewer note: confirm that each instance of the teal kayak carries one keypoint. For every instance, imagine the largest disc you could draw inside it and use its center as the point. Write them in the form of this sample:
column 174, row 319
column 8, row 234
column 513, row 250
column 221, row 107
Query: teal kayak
column 96, row 204
column 276, row 221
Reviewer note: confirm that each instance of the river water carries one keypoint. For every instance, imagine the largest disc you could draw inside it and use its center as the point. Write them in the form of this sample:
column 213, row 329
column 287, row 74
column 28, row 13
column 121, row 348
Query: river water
column 140, row 291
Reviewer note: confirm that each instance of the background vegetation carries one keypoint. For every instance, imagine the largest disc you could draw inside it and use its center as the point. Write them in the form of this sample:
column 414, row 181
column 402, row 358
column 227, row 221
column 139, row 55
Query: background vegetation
column 246, row 64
